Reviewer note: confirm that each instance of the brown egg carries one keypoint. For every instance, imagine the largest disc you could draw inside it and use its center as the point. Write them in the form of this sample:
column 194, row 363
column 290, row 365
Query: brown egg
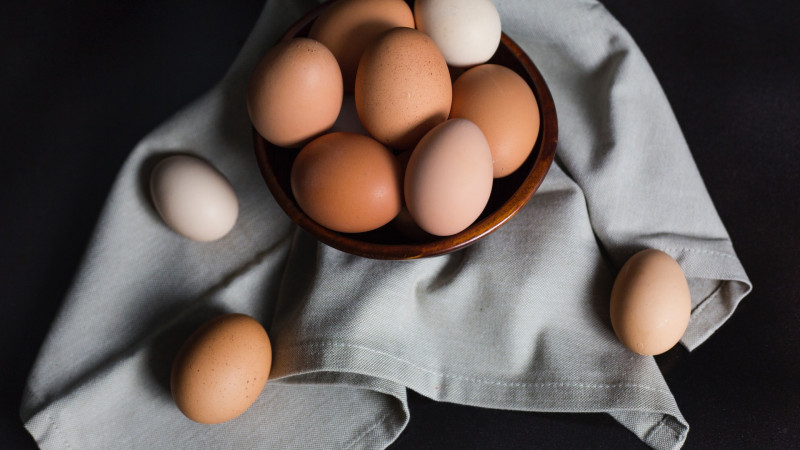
column 402, row 87
column 502, row 104
column 221, row 369
column 449, row 178
column 346, row 27
column 347, row 182
column 295, row 92
column 650, row 303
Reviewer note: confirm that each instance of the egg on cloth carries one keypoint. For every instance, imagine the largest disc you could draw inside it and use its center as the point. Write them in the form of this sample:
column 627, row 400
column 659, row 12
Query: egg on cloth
column 467, row 31
column 502, row 104
column 402, row 88
column 448, row 180
column 347, row 182
column 346, row 27
column 221, row 369
column 193, row 198
column 650, row 303
column 295, row 92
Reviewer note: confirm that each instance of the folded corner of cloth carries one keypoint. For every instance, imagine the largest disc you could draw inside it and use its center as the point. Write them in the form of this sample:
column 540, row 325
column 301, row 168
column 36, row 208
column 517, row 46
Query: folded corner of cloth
column 517, row 321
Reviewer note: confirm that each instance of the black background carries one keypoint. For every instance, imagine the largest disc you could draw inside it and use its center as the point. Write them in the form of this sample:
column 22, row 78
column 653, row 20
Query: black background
column 82, row 82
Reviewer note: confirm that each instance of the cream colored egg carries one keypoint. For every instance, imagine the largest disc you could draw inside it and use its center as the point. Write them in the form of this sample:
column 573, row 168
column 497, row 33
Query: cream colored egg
column 193, row 198
column 502, row 104
column 467, row 31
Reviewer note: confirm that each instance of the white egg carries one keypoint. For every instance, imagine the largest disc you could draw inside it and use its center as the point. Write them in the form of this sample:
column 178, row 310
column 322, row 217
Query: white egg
column 193, row 198
column 466, row 31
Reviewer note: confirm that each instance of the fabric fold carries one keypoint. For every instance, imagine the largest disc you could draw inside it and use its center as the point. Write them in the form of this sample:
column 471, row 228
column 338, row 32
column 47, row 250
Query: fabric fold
column 517, row 321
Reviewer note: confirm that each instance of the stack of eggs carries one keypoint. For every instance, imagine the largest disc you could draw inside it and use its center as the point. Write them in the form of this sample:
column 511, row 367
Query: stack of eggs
column 384, row 131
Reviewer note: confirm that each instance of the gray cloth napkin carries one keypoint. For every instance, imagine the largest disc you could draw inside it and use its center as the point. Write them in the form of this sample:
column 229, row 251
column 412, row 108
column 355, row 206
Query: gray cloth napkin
column 517, row 321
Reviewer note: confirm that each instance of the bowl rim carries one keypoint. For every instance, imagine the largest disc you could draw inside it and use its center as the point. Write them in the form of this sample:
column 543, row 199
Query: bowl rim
column 546, row 143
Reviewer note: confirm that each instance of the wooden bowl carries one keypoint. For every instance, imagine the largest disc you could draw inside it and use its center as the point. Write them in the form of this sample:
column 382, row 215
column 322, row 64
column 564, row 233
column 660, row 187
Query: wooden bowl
column 509, row 194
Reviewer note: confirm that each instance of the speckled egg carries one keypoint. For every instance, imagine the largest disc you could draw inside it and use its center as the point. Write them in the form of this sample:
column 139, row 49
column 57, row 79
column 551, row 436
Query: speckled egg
column 402, row 88
column 221, row 369
column 346, row 27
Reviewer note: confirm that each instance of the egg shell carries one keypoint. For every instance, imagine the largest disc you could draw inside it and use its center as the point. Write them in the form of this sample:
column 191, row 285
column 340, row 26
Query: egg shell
column 295, row 92
column 502, row 104
column 193, row 198
column 346, row 27
column 221, row 369
column 347, row 182
column 466, row 31
column 449, row 178
column 402, row 88
column 650, row 303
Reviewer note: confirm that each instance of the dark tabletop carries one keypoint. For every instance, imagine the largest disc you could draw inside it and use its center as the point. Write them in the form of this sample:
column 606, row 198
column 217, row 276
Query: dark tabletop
column 82, row 82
